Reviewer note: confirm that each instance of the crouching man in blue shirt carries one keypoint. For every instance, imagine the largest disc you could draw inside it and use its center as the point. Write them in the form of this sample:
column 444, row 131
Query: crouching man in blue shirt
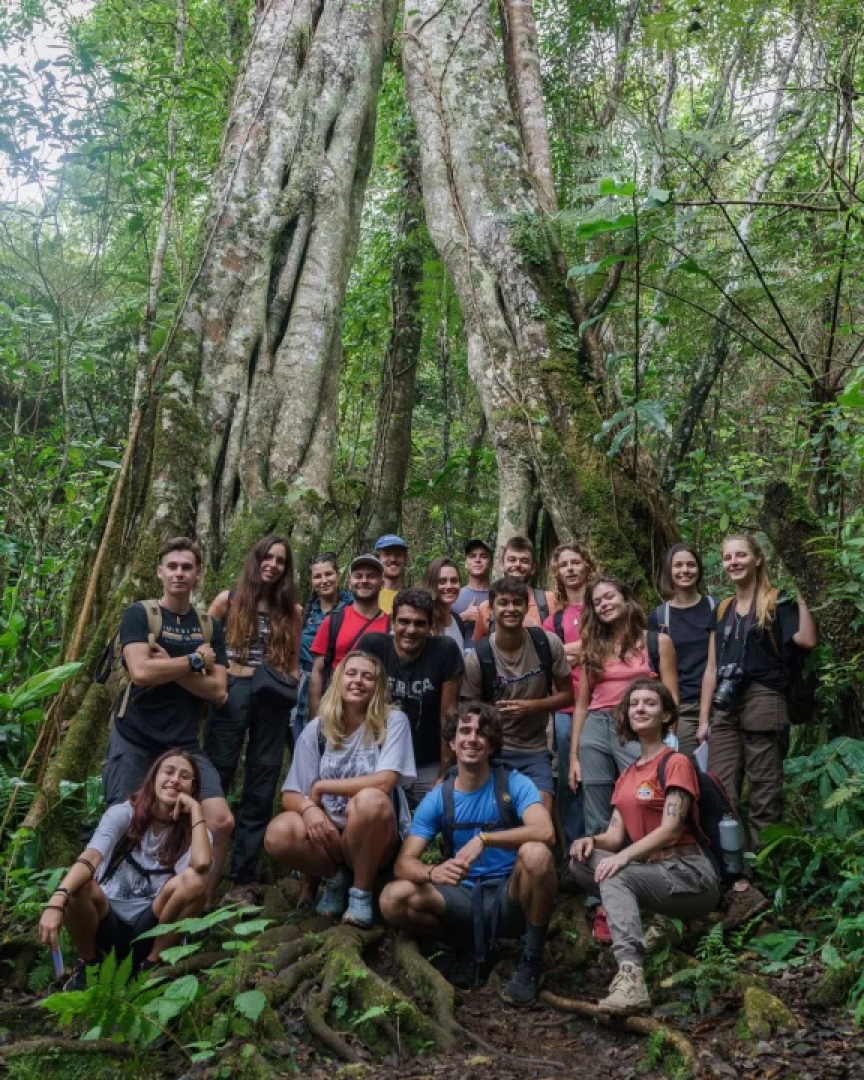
column 498, row 877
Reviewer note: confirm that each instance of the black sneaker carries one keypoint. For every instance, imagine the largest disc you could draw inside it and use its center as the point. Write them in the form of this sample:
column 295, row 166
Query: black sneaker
column 525, row 985
column 78, row 979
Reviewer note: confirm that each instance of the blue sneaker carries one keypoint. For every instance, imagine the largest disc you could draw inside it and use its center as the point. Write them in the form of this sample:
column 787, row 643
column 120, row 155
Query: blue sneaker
column 335, row 897
column 360, row 911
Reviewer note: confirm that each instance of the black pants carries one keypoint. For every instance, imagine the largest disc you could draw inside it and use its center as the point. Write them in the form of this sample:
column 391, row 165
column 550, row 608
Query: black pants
column 226, row 729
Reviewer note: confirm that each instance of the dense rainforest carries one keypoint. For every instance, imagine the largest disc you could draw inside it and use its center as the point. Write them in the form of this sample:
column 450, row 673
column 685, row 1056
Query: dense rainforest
column 579, row 271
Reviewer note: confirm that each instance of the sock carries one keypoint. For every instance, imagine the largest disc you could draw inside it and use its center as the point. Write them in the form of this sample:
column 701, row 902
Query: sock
column 535, row 939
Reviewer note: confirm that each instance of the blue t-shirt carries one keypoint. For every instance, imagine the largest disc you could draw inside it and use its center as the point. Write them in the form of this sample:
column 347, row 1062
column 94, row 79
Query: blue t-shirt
column 475, row 806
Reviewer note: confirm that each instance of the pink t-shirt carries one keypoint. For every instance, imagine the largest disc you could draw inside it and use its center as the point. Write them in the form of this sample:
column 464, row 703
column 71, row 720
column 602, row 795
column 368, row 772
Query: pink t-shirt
column 609, row 689
column 571, row 617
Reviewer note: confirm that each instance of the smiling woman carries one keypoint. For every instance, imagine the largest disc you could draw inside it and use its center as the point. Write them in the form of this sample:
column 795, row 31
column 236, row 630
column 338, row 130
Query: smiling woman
column 146, row 864
column 444, row 583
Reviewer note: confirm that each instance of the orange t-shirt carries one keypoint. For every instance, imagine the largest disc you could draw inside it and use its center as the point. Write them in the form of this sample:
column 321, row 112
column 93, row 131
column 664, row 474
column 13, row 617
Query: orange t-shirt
column 639, row 798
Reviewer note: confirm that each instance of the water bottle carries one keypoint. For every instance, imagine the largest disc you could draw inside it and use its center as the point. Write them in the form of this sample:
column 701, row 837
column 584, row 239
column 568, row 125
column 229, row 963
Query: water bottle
column 731, row 845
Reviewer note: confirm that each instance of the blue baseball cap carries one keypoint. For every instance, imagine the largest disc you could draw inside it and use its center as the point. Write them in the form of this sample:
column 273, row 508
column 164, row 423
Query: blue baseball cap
column 389, row 540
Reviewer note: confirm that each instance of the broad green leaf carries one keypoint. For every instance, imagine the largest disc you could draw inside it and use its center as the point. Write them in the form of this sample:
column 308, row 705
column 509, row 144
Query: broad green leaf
column 42, row 685
column 251, row 1003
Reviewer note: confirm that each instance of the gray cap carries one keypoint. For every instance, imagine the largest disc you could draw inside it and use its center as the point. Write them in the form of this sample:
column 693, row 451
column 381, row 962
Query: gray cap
column 367, row 560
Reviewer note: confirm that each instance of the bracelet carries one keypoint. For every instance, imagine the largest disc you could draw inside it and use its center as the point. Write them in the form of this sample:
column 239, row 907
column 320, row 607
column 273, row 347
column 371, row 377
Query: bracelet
column 311, row 806
column 197, row 823
column 60, row 889
column 483, row 838
column 55, row 907
column 88, row 864
column 429, row 877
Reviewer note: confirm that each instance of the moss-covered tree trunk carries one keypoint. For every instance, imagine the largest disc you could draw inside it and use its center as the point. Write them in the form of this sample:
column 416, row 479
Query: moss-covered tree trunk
column 523, row 349
column 237, row 436
column 381, row 510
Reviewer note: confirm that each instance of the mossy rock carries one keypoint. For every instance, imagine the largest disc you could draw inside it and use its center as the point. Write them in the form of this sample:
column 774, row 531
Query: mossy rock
column 763, row 1015
column 834, row 986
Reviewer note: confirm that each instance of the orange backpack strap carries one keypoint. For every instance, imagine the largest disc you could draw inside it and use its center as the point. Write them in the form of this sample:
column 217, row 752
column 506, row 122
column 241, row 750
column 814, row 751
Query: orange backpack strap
column 723, row 607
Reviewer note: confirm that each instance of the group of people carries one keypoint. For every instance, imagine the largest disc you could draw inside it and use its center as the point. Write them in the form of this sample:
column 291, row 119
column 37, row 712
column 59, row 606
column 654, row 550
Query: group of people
column 438, row 713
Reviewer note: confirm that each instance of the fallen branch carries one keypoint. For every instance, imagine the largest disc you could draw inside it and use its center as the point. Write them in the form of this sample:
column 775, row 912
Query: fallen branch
column 636, row 1025
column 68, row 1046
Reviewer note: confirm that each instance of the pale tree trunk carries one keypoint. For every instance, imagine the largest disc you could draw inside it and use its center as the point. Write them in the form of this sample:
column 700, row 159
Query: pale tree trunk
column 484, row 219
column 381, row 510
column 237, row 439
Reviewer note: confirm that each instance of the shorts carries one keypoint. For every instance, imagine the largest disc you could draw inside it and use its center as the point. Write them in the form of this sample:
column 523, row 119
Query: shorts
column 535, row 764
column 459, row 913
column 126, row 765
column 427, row 777
column 117, row 934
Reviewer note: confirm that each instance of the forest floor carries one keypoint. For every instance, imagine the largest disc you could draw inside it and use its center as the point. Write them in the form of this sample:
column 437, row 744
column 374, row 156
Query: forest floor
column 811, row 1041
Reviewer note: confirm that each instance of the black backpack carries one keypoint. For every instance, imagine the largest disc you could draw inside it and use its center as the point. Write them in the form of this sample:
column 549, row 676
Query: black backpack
column 507, row 816
column 488, row 670
column 714, row 804
column 652, row 644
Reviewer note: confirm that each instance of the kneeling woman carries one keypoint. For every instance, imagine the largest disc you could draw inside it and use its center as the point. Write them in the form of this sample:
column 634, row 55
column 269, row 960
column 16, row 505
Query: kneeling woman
column 647, row 859
column 146, row 864
column 342, row 790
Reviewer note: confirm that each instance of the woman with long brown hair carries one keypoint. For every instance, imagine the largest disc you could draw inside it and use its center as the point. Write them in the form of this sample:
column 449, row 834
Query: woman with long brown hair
column 262, row 635
column 146, row 865
column 744, row 712
column 443, row 582
column 616, row 649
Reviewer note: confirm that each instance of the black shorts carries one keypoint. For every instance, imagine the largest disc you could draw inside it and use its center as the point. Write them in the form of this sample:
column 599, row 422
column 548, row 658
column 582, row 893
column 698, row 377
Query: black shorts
column 117, row 934
column 459, row 913
column 125, row 766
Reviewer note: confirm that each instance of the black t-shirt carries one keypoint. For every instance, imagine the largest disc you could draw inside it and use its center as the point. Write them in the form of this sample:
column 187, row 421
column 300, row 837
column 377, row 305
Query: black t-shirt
column 690, row 630
column 763, row 656
column 161, row 717
column 415, row 686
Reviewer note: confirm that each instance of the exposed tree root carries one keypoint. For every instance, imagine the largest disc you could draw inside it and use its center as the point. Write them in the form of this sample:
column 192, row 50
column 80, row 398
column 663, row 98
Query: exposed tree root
column 421, row 978
column 68, row 1046
column 637, row 1025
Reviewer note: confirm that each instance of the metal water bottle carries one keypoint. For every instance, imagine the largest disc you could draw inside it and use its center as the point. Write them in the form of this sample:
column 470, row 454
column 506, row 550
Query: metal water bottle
column 731, row 845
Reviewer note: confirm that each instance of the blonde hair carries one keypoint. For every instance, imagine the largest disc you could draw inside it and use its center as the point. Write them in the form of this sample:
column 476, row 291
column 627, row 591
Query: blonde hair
column 766, row 596
column 331, row 719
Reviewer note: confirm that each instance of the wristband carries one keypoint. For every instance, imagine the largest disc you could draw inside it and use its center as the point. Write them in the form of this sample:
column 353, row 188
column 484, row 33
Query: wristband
column 88, row 864
column 197, row 823
column 311, row 806
column 55, row 907
column 60, row 889
column 429, row 878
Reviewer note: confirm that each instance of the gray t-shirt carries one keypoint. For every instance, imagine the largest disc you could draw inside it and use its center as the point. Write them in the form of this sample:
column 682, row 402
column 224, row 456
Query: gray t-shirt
column 519, row 679
column 355, row 757
column 128, row 891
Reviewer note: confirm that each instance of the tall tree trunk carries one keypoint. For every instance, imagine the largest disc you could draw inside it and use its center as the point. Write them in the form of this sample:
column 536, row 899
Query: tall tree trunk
column 237, row 438
column 485, row 221
column 381, row 510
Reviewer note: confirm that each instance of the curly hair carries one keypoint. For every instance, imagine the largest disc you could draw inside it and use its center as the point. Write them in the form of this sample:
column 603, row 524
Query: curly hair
column 587, row 558
column 509, row 586
column 490, row 723
column 419, row 599
column 601, row 641
column 623, row 730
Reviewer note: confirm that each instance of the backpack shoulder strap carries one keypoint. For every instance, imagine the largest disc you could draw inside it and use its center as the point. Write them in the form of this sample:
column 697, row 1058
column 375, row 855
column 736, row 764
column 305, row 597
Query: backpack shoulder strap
column 449, row 804
column 558, row 623
column 723, row 607
column 712, row 603
column 503, row 799
column 486, row 659
column 154, row 621
column 206, row 624
column 542, row 602
column 664, row 763
column 460, row 622
column 543, row 650
column 334, row 625
column 652, row 644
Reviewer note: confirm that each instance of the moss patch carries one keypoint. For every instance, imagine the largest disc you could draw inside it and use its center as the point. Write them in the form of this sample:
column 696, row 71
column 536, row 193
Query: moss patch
column 763, row 1015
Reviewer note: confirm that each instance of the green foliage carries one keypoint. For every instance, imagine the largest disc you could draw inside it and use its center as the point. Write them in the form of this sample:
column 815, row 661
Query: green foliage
column 662, row 1054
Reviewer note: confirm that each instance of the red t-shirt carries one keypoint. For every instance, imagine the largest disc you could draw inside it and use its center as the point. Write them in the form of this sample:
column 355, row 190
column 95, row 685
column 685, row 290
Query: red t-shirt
column 354, row 626
column 639, row 798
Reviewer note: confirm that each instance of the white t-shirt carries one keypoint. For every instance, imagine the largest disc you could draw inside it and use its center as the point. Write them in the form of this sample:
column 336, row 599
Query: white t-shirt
column 128, row 891
column 453, row 631
column 355, row 757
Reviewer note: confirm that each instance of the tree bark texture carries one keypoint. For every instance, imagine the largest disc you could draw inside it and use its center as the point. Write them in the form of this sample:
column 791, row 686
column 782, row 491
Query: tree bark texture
column 381, row 510
column 237, row 437
column 523, row 354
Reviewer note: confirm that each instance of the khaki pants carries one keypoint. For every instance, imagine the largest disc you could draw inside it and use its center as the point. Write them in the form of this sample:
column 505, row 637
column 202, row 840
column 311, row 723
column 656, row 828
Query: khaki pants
column 680, row 887
column 688, row 725
column 752, row 741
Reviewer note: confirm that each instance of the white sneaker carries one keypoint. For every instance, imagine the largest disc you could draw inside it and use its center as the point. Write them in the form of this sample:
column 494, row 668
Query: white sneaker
column 627, row 992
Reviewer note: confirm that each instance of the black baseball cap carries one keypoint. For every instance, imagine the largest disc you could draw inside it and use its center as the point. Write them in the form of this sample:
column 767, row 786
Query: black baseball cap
column 478, row 541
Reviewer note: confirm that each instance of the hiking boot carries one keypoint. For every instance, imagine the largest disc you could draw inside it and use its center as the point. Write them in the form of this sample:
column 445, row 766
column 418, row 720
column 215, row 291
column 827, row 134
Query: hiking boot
column 627, row 992
column 661, row 932
column 525, row 985
column 743, row 905
column 245, row 893
column 78, row 978
column 600, row 932
column 334, row 899
column 360, row 911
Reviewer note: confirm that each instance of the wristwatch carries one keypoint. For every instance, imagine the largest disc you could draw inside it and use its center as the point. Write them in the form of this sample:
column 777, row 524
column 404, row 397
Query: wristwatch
column 196, row 661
